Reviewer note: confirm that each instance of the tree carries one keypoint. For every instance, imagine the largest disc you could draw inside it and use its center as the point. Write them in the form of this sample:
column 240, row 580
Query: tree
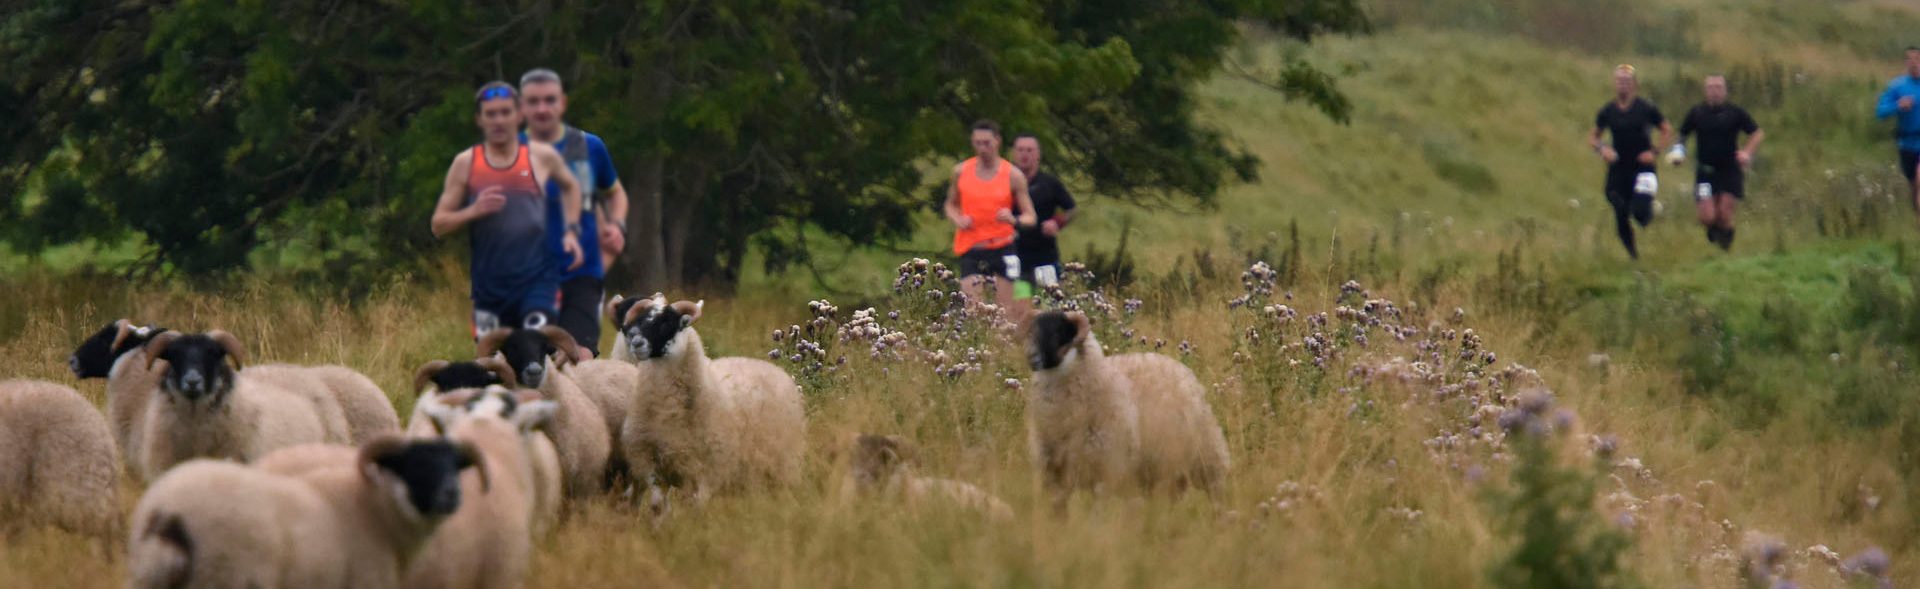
column 210, row 128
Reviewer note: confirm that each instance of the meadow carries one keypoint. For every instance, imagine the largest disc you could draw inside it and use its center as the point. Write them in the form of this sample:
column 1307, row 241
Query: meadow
column 1363, row 317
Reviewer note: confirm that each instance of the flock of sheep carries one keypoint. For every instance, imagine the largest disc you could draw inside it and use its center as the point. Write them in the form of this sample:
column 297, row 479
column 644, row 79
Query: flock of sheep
column 295, row 476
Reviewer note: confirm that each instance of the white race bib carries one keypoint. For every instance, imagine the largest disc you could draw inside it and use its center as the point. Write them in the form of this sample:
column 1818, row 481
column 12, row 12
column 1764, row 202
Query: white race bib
column 484, row 321
column 1646, row 184
column 1013, row 265
column 1703, row 192
column 1046, row 276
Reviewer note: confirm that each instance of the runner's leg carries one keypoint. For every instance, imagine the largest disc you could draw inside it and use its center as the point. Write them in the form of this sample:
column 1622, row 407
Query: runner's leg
column 1726, row 205
column 1623, row 221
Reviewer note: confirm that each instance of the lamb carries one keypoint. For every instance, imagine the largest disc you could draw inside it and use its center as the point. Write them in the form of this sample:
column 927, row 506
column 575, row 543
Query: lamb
column 1135, row 419
column 888, row 464
column 118, row 354
column 578, row 431
column 57, row 460
column 715, row 425
column 207, row 409
column 210, row 523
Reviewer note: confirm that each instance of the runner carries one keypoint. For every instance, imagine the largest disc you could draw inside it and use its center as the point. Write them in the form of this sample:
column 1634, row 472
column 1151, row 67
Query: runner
column 981, row 203
column 1631, row 183
column 1898, row 101
column 1039, row 247
column 495, row 188
column 544, row 99
column 1720, row 178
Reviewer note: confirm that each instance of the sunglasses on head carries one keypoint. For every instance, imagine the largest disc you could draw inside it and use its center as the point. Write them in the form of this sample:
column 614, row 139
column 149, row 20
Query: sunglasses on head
column 492, row 93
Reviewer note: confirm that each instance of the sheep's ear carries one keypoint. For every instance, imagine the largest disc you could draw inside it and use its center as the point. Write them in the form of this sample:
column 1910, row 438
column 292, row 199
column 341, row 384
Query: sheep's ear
column 470, row 458
column 376, row 450
column 490, row 343
column 562, row 341
column 689, row 312
column 500, row 370
column 441, row 416
column 426, row 373
column 533, row 415
column 159, row 346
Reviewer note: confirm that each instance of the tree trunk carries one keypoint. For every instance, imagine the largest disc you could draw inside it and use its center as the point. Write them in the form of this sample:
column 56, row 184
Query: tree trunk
column 645, row 261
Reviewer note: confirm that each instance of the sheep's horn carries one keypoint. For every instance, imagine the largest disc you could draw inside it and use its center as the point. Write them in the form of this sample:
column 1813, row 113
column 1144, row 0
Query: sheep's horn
column 634, row 312
column 564, row 341
column 159, row 346
column 235, row 352
column 500, row 368
column 490, row 342
column 612, row 306
column 126, row 329
column 1081, row 325
column 377, row 448
column 689, row 310
column 472, row 456
column 906, row 451
column 426, row 373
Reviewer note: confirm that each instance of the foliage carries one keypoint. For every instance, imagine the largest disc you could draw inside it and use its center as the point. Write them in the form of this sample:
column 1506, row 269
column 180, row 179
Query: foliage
column 1562, row 542
column 210, row 129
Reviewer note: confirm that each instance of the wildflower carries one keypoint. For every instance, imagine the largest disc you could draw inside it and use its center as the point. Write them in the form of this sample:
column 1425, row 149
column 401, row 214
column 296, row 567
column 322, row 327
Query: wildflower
column 1872, row 562
column 1012, row 383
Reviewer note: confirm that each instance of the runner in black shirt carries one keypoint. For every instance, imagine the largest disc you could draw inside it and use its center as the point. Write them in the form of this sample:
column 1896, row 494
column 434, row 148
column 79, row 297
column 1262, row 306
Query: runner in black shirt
column 1721, row 175
column 1631, row 184
column 1039, row 246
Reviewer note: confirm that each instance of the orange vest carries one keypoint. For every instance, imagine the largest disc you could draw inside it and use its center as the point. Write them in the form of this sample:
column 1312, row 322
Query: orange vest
column 981, row 201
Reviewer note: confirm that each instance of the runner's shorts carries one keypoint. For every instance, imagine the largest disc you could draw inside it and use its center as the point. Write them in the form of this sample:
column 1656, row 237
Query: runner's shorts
column 1711, row 180
column 1038, row 272
column 998, row 262
column 536, row 307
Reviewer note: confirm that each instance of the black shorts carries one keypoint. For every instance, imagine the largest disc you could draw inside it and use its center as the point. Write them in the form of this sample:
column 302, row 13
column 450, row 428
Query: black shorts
column 1040, row 269
column 1710, row 181
column 989, row 262
column 1909, row 160
column 1620, row 181
column 580, row 311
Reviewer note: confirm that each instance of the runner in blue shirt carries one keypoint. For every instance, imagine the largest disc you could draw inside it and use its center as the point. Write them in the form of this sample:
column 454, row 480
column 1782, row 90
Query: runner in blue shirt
column 545, row 101
column 1898, row 101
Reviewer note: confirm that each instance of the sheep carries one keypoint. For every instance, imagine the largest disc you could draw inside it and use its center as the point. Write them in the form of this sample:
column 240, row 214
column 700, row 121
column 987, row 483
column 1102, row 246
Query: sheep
column 453, row 377
column 366, row 411
column 1136, row 419
column 887, row 464
column 206, row 409
column 578, row 431
column 715, row 425
column 609, row 385
column 57, row 460
column 1083, row 427
column 118, row 354
column 615, row 309
column 210, row 523
column 486, row 543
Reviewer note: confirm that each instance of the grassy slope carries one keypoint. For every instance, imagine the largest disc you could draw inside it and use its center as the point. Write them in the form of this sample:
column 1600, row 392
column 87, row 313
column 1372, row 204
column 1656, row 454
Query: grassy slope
column 1432, row 106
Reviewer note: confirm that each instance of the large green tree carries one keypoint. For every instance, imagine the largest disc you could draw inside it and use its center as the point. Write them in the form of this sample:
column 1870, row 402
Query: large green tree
column 208, row 128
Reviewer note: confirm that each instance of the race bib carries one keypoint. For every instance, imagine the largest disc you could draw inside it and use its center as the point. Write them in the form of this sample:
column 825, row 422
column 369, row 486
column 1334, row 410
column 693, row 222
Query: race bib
column 1013, row 265
column 1646, row 184
column 1046, row 276
column 484, row 321
column 1703, row 192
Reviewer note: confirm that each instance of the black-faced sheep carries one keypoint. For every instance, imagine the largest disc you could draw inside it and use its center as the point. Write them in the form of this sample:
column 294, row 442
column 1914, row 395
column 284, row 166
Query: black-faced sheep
column 1141, row 418
column 616, row 309
column 579, row 432
column 461, row 382
column 57, row 461
column 205, row 409
column 440, row 376
column 888, row 465
column 118, row 354
column 713, row 425
column 486, row 543
column 211, row 523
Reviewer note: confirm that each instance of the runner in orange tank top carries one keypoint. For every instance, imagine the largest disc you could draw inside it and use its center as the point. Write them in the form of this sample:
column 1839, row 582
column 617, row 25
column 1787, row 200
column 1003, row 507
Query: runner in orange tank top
column 982, row 200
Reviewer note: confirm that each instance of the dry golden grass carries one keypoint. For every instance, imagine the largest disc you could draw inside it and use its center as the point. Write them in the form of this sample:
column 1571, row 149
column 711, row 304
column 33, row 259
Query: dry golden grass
column 1344, row 469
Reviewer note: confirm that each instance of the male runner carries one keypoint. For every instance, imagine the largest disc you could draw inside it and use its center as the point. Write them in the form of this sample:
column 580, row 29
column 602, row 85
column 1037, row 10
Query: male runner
column 544, row 99
column 1039, row 247
column 981, row 202
column 1631, row 183
column 1720, row 178
column 495, row 188
column 1898, row 101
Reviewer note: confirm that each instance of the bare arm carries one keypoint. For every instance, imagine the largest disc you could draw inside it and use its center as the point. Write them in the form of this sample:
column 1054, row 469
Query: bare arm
column 954, row 213
column 1022, row 200
column 449, row 215
column 558, row 172
column 1666, row 136
column 617, row 204
column 1754, row 139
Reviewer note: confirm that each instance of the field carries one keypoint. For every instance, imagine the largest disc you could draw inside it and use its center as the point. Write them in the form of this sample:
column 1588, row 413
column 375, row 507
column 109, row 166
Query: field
column 1763, row 393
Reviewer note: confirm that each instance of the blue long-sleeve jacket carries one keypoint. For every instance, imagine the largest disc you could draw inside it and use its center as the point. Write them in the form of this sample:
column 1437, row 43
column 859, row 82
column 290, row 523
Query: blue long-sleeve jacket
column 1909, row 127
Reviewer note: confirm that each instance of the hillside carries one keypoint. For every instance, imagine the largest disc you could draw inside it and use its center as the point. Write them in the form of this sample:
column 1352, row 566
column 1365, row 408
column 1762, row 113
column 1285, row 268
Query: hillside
column 1759, row 394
